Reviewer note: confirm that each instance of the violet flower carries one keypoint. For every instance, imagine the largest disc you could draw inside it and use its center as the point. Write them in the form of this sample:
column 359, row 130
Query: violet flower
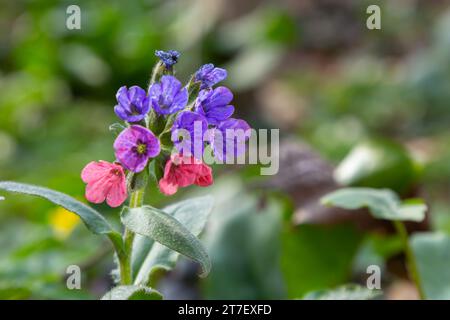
column 133, row 104
column 134, row 146
column 214, row 105
column 195, row 125
column 168, row 96
column 229, row 136
column 169, row 58
column 208, row 75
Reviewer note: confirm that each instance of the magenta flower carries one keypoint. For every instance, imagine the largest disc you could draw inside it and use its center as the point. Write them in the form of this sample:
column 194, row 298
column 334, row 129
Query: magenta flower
column 209, row 75
column 133, row 104
column 214, row 105
column 168, row 96
column 105, row 181
column 134, row 146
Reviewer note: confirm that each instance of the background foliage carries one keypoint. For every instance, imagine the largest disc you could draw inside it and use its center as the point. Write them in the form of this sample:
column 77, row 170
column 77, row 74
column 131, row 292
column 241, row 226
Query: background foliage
column 374, row 104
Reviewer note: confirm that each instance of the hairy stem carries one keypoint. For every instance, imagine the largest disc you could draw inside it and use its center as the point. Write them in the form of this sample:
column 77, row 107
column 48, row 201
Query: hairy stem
column 410, row 258
column 136, row 200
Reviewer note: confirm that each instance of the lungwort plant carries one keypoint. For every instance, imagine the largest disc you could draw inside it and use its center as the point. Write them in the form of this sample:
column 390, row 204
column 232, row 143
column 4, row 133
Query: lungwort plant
column 165, row 131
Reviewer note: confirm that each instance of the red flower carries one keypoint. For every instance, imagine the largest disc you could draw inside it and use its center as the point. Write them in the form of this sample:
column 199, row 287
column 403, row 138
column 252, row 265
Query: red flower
column 182, row 172
column 105, row 181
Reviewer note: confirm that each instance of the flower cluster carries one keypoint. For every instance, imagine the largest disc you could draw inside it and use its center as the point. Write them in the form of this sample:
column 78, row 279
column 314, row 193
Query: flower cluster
column 167, row 107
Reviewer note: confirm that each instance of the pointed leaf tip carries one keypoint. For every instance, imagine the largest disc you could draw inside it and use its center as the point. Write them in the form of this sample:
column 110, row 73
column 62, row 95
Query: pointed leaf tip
column 93, row 220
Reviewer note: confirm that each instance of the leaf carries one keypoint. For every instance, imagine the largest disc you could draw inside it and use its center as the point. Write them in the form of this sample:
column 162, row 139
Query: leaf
column 167, row 230
column 93, row 220
column 149, row 257
column 132, row 292
column 382, row 203
column 116, row 128
column 377, row 163
column 14, row 293
column 156, row 167
column 315, row 257
column 244, row 241
column 346, row 292
column 432, row 252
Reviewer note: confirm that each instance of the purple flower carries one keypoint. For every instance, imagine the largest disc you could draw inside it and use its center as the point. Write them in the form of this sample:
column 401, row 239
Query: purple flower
column 133, row 104
column 214, row 104
column 195, row 125
column 230, row 134
column 134, row 146
column 169, row 58
column 168, row 96
column 209, row 75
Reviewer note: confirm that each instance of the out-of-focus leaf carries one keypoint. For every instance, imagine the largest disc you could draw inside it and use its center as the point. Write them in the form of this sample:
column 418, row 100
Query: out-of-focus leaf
column 176, row 230
column 244, row 243
column 377, row 164
column 253, row 65
column 316, row 257
column 375, row 250
column 93, row 220
column 432, row 253
column 346, row 292
column 132, row 293
column 14, row 293
column 38, row 262
column 280, row 27
column 383, row 204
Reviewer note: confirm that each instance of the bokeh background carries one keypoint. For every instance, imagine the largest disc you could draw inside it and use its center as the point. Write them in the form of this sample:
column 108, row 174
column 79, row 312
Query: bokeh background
column 310, row 68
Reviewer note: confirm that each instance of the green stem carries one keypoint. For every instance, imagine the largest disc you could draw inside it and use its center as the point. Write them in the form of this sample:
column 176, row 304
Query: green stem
column 136, row 200
column 410, row 259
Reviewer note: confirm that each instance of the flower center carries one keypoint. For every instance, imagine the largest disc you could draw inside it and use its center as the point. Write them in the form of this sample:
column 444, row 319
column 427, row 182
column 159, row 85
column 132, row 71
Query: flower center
column 134, row 110
column 141, row 148
column 115, row 172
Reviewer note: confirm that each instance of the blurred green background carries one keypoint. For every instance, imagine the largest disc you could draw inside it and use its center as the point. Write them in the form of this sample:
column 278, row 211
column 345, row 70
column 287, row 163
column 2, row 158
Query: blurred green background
column 373, row 103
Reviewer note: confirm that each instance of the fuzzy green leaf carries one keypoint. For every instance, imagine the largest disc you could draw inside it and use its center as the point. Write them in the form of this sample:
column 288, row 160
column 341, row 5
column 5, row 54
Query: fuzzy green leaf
column 345, row 292
column 93, row 220
column 150, row 258
column 132, row 293
column 167, row 230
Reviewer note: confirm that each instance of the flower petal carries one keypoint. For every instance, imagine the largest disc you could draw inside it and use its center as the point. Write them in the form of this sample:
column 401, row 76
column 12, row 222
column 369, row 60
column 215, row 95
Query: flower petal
column 204, row 176
column 94, row 171
column 96, row 191
column 122, row 96
column 117, row 193
column 167, row 188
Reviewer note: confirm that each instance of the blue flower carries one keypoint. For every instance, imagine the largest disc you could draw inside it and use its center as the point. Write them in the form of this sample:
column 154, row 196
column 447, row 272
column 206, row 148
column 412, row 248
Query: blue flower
column 168, row 96
column 169, row 58
column 208, row 75
column 214, row 105
column 229, row 137
column 133, row 104
column 195, row 125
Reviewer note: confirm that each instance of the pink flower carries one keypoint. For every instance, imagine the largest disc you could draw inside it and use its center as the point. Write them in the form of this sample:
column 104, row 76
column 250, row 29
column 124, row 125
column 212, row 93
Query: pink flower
column 182, row 172
column 105, row 181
